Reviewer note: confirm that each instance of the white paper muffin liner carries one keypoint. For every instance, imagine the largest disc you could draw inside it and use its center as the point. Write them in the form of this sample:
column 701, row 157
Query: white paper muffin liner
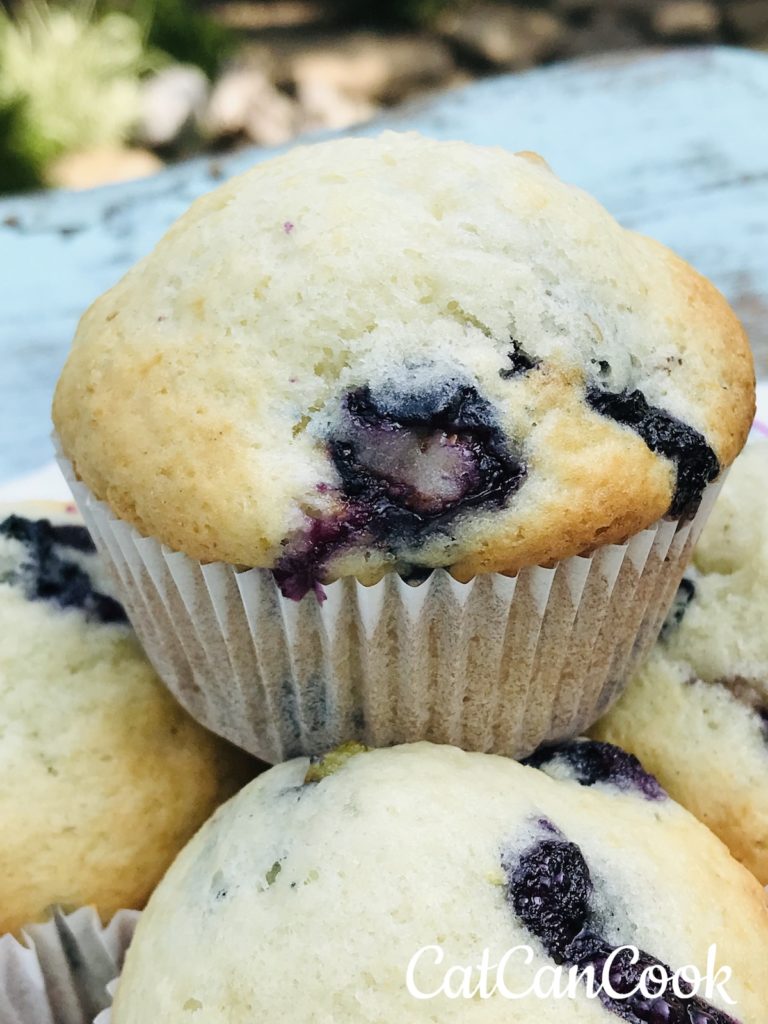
column 500, row 664
column 60, row 972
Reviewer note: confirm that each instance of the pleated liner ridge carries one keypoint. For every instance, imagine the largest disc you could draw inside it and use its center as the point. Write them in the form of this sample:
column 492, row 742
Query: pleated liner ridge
column 499, row 664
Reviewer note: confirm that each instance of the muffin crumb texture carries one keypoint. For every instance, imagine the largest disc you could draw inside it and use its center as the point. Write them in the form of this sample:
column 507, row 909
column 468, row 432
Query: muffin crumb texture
column 697, row 712
column 450, row 359
column 308, row 901
column 103, row 777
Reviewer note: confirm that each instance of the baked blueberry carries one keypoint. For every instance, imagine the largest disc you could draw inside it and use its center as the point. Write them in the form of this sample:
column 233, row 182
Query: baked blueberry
column 427, row 453
column 591, row 762
column 409, row 462
column 549, row 888
column 686, row 592
column 695, row 462
column 626, row 974
column 105, row 776
column 361, row 258
column 72, row 535
column 404, row 868
column 47, row 573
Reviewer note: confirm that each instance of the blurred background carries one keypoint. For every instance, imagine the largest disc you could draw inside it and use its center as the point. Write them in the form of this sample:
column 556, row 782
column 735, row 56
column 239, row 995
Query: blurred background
column 96, row 91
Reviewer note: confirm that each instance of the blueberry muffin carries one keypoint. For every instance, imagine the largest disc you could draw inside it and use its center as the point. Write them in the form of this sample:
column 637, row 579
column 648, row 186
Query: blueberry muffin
column 697, row 712
column 308, row 897
column 103, row 777
column 423, row 365
column 397, row 353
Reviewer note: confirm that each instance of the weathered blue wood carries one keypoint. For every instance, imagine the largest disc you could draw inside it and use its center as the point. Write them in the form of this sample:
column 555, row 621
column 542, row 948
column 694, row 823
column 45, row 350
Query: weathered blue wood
column 675, row 144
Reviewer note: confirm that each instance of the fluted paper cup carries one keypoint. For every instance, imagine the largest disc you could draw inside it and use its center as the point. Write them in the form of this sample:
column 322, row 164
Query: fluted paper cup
column 60, row 972
column 499, row 664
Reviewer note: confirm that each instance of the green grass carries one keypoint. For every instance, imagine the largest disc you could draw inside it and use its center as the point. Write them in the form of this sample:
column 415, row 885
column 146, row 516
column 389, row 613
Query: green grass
column 70, row 74
column 20, row 168
column 179, row 29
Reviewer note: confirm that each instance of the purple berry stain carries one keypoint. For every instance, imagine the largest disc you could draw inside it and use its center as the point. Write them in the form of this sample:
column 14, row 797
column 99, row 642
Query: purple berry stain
column 47, row 574
column 592, row 762
column 408, row 465
column 550, row 889
column 696, row 463
column 519, row 362
column 288, row 227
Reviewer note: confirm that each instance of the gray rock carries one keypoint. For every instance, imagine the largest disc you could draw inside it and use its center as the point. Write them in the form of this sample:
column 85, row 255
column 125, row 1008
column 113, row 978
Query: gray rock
column 325, row 107
column 608, row 30
column 245, row 102
column 506, row 37
column 258, row 15
column 686, row 19
column 373, row 67
column 173, row 102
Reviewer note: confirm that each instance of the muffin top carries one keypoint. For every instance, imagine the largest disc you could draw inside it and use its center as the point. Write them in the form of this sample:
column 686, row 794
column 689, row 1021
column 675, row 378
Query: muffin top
column 396, row 353
column 307, row 896
column 697, row 712
column 103, row 777
column 718, row 620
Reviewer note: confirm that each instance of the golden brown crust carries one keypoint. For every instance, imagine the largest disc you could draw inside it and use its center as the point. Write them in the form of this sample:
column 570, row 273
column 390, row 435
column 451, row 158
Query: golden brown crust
column 198, row 390
column 103, row 776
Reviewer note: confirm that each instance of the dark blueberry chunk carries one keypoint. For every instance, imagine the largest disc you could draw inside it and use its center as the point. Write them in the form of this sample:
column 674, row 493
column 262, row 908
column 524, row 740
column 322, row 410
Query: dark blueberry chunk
column 72, row 535
column 686, row 592
column 591, row 761
column 409, row 463
column 519, row 362
column 550, row 888
column 47, row 575
column 762, row 714
column 25, row 530
column 416, row 459
column 625, row 977
column 696, row 463
column 104, row 608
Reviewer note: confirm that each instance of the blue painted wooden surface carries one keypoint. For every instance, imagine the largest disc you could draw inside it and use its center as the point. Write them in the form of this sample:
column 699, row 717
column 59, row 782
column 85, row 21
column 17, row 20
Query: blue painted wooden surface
column 675, row 144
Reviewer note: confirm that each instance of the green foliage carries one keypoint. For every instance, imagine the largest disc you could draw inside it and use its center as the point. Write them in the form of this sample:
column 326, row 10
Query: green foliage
column 184, row 33
column 68, row 80
column 70, row 73
column 20, row 169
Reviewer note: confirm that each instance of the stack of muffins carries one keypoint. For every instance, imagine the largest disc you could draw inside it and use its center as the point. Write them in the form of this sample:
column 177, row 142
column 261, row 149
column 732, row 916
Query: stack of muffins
column 397, row 452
